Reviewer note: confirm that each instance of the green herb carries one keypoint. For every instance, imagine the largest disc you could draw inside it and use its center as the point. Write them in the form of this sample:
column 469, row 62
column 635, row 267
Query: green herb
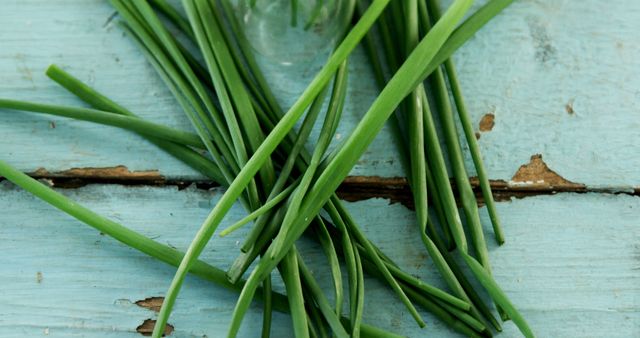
column 244, row 131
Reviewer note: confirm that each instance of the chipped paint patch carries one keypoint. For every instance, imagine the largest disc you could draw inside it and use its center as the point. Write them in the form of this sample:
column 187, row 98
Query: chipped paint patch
column 569, row 107
column 107, row 173
column 146, row 328
column 151, row 303
column 537, row 175
column 39, row 277
column 487, row 122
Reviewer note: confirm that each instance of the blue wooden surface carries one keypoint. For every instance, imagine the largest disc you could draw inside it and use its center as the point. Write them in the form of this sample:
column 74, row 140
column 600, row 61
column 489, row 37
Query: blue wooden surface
column 525, row 68
column 571, row 261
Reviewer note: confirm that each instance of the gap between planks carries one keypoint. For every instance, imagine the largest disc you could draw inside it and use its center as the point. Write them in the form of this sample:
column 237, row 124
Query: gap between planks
column 353, row 188
column 531, row 179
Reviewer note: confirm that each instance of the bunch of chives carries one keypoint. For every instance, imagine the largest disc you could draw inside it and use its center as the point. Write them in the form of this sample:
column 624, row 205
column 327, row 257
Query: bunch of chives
column 245, row 133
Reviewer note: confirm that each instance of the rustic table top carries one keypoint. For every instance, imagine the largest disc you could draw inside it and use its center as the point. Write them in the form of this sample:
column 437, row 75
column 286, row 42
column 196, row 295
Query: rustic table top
column 553, row 87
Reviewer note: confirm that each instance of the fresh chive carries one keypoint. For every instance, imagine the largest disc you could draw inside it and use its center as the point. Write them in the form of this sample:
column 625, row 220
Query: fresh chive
column 463, row 287
column 323, row 304
column 441, row 177
column 467, row 197
column 315, row 13
column 418, row 174
column 183, row 93
column 350, row 261
column 291, row 276
column 294, row 13
column 202, row 36
column 431, row 290
column 123, row 234
column 240, row 97
column 326, row 135
column 316, row 324
column 285, row 172
column 126, row 122
column 400, row 85
column 356, row 317
column 498, row 295
column 267, row 308
column 168, row 43
column 466, row 194
column 369, row 248
column 98, row 101
column 261, row 156
column 442, row 314
column 223, row 54
column 174, row 16
column 462, row 316
column 268, row 206
column 469, row 133
column 324, row 238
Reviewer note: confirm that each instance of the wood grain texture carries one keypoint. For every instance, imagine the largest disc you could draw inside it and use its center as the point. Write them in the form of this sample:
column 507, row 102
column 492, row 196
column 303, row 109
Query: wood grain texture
column 82, row 37
column 560, row 79
column 571, row 263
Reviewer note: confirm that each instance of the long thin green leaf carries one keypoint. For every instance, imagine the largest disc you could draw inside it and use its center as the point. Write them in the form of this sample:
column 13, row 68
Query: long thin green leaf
column 464, row 288
column 443, row 314
column 267, row 308
column 168, row 43
column 402, row 83
column 323, row 304
column 123, row 234
column 174, row 16
column 427, row 303
column 125, row 122
column 263, row 153
column 326, row 136
column 350, row 261
column 498, row 295
column 222, row 93
column 268, row 206
column 469, row 133
column 361, row 238
column 441, row 177
column 465, row 31
column 286, row 170
column 290, row 273
column 239, row 94
column 184, row 94
column 431, row 290
column 417, row 156
column 356, row 317
column 98, row 101
column 466, row 195
column 324, row 238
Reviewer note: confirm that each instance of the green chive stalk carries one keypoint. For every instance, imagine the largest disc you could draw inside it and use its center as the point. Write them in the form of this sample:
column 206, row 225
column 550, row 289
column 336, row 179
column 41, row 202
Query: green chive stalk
column 469, row 133
column 400, row 85
column 261, row 156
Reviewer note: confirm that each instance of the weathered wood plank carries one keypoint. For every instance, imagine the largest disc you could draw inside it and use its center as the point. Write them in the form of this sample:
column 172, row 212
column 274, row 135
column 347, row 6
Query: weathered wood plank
column 558, row 78
column 570, row 263
column 81, row 37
